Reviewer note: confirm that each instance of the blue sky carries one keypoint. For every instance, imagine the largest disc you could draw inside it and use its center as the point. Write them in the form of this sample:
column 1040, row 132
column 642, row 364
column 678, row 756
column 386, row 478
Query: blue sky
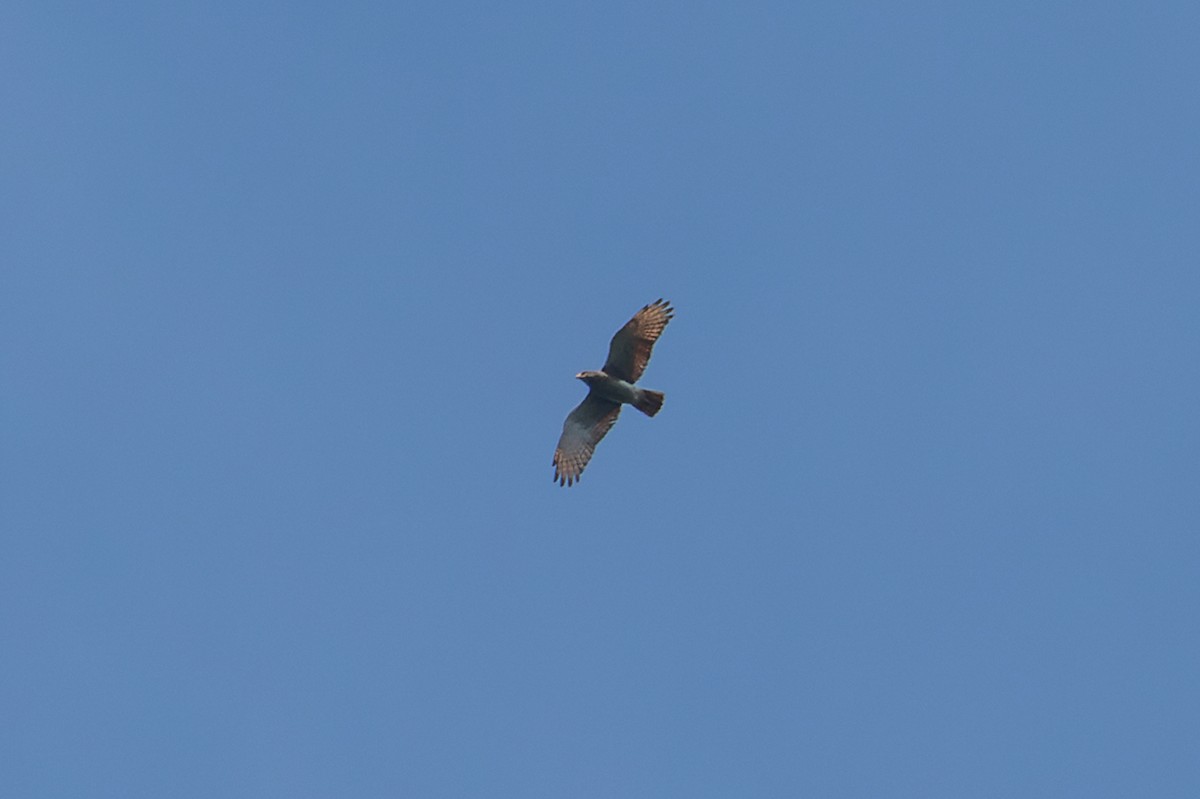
column 291, row 301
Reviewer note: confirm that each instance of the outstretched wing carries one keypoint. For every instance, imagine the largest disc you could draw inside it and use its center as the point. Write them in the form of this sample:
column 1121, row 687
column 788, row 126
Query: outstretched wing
column 629, row 351
column 585, row 426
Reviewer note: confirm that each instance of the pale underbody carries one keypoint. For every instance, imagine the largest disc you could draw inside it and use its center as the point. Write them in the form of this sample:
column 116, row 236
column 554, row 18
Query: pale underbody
column 611, row 388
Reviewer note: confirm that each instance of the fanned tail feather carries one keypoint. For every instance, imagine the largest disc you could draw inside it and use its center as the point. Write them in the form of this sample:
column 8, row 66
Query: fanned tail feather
column 649, row 402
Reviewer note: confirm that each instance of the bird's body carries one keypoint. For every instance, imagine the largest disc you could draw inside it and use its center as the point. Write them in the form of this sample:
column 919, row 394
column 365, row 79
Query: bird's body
column 609, row 389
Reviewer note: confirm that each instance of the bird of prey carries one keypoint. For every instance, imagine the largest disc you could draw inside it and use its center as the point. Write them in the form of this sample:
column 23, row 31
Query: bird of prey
column 610, row 388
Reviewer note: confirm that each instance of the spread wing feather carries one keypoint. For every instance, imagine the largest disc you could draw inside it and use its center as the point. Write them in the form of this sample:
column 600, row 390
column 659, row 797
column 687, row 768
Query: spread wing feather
column 585, row 426
column 630, row 349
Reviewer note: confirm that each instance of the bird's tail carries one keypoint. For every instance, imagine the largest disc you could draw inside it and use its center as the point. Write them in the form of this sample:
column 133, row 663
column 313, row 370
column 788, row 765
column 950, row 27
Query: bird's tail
column 649, row 402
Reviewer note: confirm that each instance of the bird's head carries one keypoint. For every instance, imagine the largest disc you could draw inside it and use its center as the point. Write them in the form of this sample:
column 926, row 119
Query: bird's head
column 585, row 376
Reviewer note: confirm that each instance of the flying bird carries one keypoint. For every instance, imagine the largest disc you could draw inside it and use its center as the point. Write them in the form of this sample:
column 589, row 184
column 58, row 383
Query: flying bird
column 609, row 389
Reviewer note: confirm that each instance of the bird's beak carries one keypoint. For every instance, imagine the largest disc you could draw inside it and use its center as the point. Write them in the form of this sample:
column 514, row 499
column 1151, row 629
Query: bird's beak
column 579, row 376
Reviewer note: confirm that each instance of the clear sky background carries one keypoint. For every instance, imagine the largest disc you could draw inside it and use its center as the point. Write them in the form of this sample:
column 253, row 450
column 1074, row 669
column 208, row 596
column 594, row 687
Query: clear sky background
column 292, row 297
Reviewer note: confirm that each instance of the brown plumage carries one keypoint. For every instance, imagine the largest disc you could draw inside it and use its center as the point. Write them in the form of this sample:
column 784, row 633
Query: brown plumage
column 628, row 354
column 629, row 351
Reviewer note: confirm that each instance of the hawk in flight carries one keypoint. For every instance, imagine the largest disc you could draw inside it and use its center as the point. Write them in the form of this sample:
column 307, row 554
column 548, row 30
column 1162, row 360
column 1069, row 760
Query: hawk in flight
column 609, row 388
